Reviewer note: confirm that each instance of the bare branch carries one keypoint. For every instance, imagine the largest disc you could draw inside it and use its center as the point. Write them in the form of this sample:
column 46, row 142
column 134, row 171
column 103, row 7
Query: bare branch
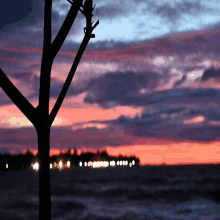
column 67, row 83
column 20, row 101
column 88, row 34
column 46, row 64
column 87, row 12
column 97, row 22
column 70, row 2
column 47, row 24
column 65, row 28
column 69, row 79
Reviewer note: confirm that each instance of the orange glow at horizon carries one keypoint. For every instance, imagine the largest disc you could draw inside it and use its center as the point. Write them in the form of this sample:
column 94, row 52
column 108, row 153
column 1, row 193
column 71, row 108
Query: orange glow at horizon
column 176, row 154
column 181, row 153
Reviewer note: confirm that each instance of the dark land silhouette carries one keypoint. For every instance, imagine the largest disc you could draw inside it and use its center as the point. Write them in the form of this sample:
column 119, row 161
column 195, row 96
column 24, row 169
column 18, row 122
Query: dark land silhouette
column 23, row 161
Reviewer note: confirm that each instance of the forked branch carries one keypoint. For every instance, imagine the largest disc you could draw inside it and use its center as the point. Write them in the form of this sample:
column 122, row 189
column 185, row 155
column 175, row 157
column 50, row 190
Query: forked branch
column 88, row 34
column 65, row 28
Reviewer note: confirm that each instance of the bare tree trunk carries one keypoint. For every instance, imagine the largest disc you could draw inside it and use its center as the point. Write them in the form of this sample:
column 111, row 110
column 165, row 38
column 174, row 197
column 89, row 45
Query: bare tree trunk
column 44, row 172
column 40, row 116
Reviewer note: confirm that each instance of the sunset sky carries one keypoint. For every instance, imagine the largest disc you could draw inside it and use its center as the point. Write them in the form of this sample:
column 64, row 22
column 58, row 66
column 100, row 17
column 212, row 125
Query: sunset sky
column 147, row 84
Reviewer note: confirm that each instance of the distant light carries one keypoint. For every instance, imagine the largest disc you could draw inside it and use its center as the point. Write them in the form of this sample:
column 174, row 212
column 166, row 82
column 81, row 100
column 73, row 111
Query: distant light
column 68, row 163
column 130, row 164
column 60, row 164
column 106, row 164
column 112, row 163
column 51, row 166
column 36, row 166
column 85, row 164
column 6, row 166
column 126, row 162
column 80, row 163
column 120, row 163
column 133, row 162
column 117, row 162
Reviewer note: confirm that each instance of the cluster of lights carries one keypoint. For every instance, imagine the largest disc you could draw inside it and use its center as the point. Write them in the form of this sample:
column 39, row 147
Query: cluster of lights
column 94, row 164
column 61, row 166
column 100, row 164
column 97, row 164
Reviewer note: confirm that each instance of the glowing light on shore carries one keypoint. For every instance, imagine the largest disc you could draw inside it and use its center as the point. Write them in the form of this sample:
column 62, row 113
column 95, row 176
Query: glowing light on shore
column 60, row 164
column 112, row 163
column 36, row 166
column 97, row 164
column 68, row 164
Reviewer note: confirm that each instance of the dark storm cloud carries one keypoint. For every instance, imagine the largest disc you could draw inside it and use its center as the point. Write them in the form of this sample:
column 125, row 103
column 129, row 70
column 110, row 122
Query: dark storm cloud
column 180, row 82
column 108, row 11
column 125, row 89
column 153, row 125
column 28, row 23
column 120, row 86
column 171, row 109
column 174, row 10
column 146, row 119
column 75, row 88
column 210, row 73
column 200, row 39
column 14, row 13
column 11, row 141
column 202, row 133
column 187, row 69
column 107, row 44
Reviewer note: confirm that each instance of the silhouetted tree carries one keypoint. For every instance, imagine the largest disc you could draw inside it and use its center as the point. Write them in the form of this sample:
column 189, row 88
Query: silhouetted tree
column 75, row 152
column 104, row 153
column 40, row 116
column 61, row 153
column 68, row 152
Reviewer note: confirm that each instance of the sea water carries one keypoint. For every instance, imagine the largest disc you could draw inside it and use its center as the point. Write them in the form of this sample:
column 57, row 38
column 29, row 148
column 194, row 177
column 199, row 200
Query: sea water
column 129, row 193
